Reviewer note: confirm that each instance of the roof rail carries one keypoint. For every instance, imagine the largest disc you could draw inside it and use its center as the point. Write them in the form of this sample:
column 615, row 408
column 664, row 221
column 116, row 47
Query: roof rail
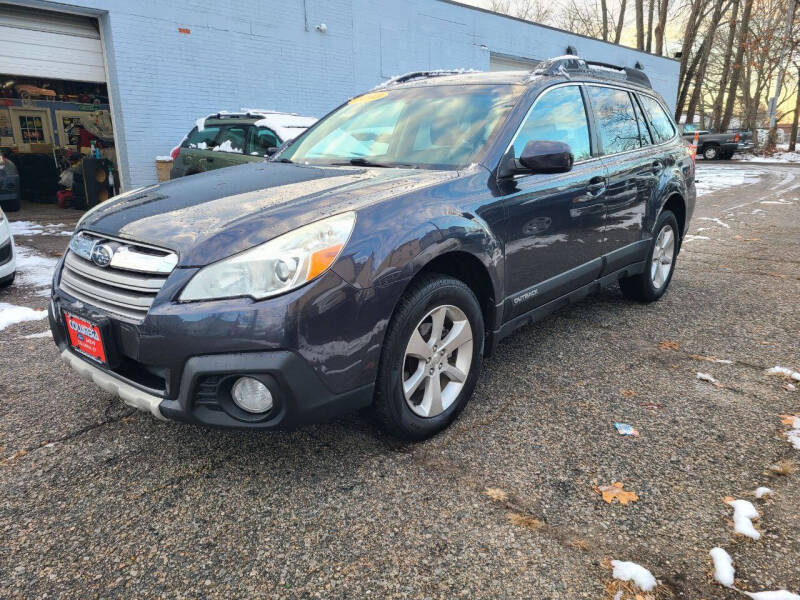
column 568, row 65
column 422, row 75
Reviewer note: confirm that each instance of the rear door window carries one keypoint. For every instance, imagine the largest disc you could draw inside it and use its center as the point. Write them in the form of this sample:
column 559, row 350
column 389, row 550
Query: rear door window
column 615, row 118
column 558, row 116
column 201, row 139
column 660, row 122
column 261, row 140
column 231, row 139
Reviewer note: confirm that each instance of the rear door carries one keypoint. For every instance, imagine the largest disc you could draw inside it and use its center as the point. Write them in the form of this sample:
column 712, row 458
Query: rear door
column 554, row 229
column 633, row 166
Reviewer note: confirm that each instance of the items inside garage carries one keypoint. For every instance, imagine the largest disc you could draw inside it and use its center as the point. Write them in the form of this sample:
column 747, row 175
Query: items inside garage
column 55, row 118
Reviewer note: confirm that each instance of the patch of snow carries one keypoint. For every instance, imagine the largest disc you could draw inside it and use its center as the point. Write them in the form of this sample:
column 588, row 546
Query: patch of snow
column 287, row 126
column 42, row 334
column 763, row 491
column 35, row 270
column 723, row 566
column 30, row 228
column 785, row 372
column 226, row 146
column 164, row 158
column 794, row 438
column 201, row 123
column 776, row 595
column 779, row 202
column 782, row 157
column 11, row 314
column 689, row 237
column 711, row 179
column 714, row 220
column 630, row 571
column 199, row 146
column 706, row 377
column 743, row 514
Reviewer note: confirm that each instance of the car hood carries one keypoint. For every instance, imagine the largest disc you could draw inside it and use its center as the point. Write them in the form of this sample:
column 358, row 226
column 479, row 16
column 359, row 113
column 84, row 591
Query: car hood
column 210, row 216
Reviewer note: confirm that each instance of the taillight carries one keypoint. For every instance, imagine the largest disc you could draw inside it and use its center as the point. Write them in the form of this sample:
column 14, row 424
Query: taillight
column 736, row 138
column 175, row 151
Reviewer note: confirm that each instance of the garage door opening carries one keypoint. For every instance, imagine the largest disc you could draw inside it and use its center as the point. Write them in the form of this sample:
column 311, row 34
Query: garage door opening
column 56, row 131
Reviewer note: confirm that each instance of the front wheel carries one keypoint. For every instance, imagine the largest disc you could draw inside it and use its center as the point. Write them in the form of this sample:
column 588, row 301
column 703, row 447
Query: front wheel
column 651, row 285
column 431, row 358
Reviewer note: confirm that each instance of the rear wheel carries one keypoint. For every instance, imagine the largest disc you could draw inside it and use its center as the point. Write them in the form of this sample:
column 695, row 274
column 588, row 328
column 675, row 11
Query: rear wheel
column 8, row 280
column 431, row 358
column 711, row 152
column 726, row 155
column 651, row 285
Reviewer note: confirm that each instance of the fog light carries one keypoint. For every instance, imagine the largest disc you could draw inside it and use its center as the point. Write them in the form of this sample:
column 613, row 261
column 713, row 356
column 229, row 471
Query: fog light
column 251, row 395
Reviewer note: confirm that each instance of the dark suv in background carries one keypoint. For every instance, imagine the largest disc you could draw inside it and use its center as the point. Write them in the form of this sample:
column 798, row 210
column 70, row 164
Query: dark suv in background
column 376, row 260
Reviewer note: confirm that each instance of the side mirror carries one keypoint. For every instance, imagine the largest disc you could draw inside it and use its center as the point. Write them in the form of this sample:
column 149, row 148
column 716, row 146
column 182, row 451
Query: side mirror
column 271, row 150
column 541, row 156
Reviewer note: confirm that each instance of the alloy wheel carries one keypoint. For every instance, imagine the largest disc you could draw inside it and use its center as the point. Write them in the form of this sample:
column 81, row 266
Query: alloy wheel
column 663, row 255
column 437, row 361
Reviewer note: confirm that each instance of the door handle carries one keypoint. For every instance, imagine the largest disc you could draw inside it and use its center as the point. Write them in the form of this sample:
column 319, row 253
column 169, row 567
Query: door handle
column 596, row 185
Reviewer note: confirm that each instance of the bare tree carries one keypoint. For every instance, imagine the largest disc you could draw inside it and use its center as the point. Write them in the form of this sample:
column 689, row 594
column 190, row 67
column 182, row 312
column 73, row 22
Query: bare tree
column 736, row 71
column 663, row 9
column 726, row 68
column 793, row 138
column 649, row 37
column 639, row 24
column 530, row 10
column 699, row 77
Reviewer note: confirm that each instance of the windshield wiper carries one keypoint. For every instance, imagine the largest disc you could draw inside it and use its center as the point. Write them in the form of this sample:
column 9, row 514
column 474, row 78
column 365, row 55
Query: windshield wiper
column 363, row 162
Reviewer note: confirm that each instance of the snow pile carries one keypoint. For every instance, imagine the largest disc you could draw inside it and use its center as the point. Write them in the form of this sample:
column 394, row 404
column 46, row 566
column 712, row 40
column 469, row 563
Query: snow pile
column 711, row 179
column 35, row 270
column 723, row 566
column 30, row 228
column 706, row 377
column 779, row 201
column 630, row 571
column 226, row 146
column 785, row 372
column 743, row 514
column 763, row 491
column 11, row 314
column 164, row 158
column 782, row 157
column 287, row 126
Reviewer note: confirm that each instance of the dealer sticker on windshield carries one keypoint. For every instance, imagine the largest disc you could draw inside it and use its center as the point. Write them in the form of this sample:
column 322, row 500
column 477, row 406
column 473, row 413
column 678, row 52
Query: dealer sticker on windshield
column 85, row 337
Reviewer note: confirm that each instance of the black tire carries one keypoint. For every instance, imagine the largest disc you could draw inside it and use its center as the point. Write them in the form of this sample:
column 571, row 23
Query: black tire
column 12, row 205
column 7, row 281
column 711, row 152
column 389, row 406
column 641, row 287
column 726, row 155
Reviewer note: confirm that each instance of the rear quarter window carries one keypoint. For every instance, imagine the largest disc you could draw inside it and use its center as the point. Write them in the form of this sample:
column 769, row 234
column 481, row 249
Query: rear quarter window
column 661, row 124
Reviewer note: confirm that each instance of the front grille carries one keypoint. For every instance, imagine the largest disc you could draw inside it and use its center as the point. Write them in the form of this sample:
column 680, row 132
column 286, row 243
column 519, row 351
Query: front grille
column 5, row 253
column 123, row 292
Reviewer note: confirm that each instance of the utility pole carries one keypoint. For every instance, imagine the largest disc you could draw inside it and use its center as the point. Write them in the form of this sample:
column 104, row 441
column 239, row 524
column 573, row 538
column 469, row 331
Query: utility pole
column 773, row 103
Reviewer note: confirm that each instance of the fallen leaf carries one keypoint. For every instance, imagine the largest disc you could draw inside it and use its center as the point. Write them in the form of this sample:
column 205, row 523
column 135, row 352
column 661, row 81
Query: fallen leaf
column 526, row 521
column 668, row 345
column 789, row 419
column 783, row 467
column 615, row 490
column 496, row 494
column 627, row 393
column 651, row 405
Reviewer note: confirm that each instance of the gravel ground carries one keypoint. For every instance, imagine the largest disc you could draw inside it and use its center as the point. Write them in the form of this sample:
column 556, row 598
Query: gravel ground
column 97, row 500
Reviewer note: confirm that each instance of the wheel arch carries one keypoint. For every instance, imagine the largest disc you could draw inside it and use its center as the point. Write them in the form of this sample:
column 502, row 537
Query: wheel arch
column 676, row 203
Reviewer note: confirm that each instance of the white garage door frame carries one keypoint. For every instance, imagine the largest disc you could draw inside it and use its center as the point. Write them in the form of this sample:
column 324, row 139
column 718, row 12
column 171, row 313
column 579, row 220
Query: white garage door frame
column 101, row 17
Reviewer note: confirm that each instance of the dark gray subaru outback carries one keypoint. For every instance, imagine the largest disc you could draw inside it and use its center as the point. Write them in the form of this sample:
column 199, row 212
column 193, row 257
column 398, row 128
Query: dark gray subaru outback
column 376, row 260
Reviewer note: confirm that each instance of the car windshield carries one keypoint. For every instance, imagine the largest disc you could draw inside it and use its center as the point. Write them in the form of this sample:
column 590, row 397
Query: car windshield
column 432, row 127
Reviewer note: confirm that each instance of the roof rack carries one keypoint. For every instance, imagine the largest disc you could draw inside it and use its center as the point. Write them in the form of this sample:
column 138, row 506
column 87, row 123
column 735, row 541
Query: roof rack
column 422, row 75
column 569, row 65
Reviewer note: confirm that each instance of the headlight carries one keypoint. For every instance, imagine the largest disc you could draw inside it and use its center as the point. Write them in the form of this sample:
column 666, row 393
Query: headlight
column 280, row 265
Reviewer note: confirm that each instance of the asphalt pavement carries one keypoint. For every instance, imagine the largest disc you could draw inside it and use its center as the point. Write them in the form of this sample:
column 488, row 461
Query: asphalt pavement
column 98, row 500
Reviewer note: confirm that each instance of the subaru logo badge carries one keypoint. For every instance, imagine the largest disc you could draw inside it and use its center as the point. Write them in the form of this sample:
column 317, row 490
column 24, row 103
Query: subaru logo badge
column 102, row 254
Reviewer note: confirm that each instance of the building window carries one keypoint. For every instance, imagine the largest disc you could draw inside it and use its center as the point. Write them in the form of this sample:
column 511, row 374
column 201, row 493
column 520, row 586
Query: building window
column 31, row 129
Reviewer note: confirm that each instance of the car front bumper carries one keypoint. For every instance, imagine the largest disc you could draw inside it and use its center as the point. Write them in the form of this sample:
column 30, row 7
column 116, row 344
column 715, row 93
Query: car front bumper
column 7, row 255
column 179, row 365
